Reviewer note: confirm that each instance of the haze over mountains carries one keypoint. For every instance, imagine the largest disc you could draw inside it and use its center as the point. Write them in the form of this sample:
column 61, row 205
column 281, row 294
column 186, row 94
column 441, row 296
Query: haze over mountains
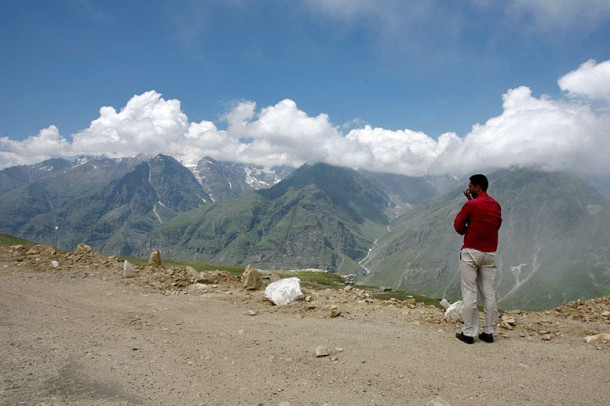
column 390, row 230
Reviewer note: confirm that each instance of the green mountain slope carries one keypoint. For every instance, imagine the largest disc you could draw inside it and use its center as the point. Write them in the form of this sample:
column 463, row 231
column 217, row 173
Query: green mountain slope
column 321, row 217
column 554, row 243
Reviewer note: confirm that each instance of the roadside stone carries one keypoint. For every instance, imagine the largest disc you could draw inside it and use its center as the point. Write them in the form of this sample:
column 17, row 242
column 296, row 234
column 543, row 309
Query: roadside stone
column 410, row 303
column 508, row 322
column 546, row 337
column 438, row 401
column 322, row 351
column 128, row 270
column 335, row 313
column 83, row 248
column 155, row 258
column 597, row 338
column 251, row 278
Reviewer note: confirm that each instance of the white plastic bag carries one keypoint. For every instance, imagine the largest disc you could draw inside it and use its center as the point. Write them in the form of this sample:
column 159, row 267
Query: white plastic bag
column 454, row 311
column 283, row 291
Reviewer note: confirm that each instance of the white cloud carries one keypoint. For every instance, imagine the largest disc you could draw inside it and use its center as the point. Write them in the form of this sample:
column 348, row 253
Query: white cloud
column 590, row 80
column 46, row 144
column 553, row 134
column 283, row 131
column 403, row 151
column 147, row 124
column 550, row 134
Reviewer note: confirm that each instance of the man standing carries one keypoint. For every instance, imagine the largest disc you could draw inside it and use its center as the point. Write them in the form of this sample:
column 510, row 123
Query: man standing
column 479, row 222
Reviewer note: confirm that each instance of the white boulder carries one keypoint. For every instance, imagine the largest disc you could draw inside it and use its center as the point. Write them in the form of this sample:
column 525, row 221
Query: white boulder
column 284, row 291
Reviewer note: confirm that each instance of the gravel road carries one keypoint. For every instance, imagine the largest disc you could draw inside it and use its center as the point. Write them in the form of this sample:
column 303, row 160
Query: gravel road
column 83, row 335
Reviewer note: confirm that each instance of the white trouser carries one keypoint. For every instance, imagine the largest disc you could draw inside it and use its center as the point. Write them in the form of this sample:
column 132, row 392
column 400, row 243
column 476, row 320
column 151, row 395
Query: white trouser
column 478, row 271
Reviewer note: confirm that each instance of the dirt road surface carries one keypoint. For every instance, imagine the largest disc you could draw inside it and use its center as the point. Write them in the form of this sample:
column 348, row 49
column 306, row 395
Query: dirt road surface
column 75, row 332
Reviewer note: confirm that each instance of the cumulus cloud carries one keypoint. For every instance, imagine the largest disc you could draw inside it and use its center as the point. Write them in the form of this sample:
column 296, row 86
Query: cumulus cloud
column 145, row 125
column 554, row 134
column 590, row 80
column 46, row 144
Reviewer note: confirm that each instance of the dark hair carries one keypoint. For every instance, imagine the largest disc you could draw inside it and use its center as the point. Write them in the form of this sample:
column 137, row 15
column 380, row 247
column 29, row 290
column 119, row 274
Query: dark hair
column 480, row 180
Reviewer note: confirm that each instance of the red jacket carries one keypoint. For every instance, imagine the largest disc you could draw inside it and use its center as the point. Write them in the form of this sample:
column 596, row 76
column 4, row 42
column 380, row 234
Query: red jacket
column 479, row 222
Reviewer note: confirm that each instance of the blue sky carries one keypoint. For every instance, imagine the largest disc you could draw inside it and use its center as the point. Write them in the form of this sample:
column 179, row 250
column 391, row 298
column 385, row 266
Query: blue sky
column 325, row 70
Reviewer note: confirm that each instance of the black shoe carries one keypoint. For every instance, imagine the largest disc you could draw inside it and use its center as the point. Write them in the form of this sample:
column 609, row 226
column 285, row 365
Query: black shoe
column 463, row 338
column 488, row 338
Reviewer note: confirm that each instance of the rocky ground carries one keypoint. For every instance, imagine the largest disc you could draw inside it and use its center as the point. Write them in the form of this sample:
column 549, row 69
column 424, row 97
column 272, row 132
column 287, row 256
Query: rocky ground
column 74, row 330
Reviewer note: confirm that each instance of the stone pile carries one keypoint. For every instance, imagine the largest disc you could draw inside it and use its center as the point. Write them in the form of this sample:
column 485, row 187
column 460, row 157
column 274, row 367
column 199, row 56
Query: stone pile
column 597, row 309
column 45, row 258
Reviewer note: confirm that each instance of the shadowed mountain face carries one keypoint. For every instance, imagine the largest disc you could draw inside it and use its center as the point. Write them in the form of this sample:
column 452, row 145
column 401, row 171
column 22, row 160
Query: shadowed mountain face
column 112, row 204
column 114, row 210
column 554, row 243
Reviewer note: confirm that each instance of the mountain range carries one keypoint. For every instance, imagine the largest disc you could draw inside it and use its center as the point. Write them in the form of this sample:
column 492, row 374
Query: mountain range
column 386, row 229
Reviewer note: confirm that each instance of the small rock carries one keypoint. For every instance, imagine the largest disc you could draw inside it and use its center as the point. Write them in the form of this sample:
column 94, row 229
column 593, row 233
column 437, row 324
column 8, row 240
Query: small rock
column 251, row 312
column 508, row 322
column 54, row 264
column 335, row 313
column 411, row 303
column 83, row 249
column 454, row 311
column 506, row 325
column 601, row 337
column 192, row 273
column 128, row 270
column 155, row 258
column 322, row 351
column 251, row 278
column 438, row 401
column 546, row 337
